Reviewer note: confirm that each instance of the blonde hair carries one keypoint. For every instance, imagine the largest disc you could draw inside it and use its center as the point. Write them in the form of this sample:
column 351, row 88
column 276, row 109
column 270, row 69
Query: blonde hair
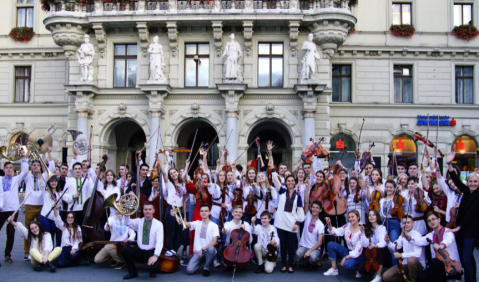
column 266, row 181
column 471, row 175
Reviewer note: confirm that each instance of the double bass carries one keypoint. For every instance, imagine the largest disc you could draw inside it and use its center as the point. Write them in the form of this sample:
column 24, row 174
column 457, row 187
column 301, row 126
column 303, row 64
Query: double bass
column 94, row 214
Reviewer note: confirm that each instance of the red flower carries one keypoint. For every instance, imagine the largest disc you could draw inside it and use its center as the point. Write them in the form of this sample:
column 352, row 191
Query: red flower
column 403, row 30
column 465, row 31
column 22, row 34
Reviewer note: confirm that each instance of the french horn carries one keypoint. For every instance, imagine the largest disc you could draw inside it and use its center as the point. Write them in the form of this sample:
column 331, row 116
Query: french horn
column 11, row 152
column 127, row 205
column 80, row 145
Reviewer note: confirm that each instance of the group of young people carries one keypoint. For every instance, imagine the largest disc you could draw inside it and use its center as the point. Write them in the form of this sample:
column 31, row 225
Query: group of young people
column 288, row 209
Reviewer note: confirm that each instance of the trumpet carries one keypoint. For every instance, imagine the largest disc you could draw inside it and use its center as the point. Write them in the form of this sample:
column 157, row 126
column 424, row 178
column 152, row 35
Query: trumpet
column 179, row 219
column 127, row 205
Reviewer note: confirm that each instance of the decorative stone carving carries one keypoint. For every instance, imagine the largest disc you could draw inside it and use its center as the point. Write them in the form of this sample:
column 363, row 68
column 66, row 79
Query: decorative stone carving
column 144, row 36
column 122, row 109
column 195, row 109
column 173, row 37
column 293, row 37
column 331, row 31
column 85, row 58
column 100, row 36
column 248, row 37
column 218, row 37
column 232, row 93
column 67, row 36
column 232, row 63
column 309, row 61
column 309, row 94
column 157, row 62
column 270, row 110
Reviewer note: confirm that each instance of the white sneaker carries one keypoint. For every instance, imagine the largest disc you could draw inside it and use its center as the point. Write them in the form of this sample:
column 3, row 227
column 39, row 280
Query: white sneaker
column 216, row 263
column 331, row 272
column 358, row 275
column 377, row 279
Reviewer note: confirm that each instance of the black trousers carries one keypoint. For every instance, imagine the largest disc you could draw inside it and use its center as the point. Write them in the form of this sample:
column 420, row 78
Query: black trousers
column 134, row 254
column 288, row 244
column 10, row 231
column 435, row 272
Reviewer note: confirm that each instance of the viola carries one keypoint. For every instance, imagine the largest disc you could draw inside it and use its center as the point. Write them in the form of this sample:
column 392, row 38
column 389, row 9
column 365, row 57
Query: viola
column 94, row 214
column 314, row 150
column 271, row 255
column 398, row 200
column 400, row 266
column 374, row 205
column 418, row 136
column 421, row 205
column 237, row 254
column 453, row 268
column 453, row 221
column 366, row 157
column 371, row 259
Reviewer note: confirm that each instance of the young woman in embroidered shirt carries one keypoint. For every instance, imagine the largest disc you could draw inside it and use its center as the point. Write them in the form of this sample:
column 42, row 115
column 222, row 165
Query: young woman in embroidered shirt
column 39, row 243
column 250, row 187
column 71, row 238
column 108, row 187
column 359, row 206
column 288, row 217
column 50, row 196
column 265, row 191
column 376, row 232
column 316, row 188
column 410, row 200
column 386, row 205
column 356, row 241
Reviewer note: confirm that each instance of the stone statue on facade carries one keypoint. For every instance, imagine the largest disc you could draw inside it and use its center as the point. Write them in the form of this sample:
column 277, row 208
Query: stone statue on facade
column 85, row 58
column 309, row 61
column 232, row 63
column 157, row 62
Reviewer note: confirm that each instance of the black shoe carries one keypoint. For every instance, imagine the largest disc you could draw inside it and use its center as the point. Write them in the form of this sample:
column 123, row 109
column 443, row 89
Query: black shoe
column 227, row 269
column 260, row 268
column 37, row 267
column 206, row 272
column 130, row 275
column 51, row 266
column 284, row 270
column 291, row 271
column 84, row 262
column 153, row 274
column 113, row 263
column 307, row 266
column 26, row 257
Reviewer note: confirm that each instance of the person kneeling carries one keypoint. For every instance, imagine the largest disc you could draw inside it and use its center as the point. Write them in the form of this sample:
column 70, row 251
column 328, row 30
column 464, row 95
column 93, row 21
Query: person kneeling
column 40, row 244
column 206, row 237
column 267, row 234
column 312, row 238
column 119, row 233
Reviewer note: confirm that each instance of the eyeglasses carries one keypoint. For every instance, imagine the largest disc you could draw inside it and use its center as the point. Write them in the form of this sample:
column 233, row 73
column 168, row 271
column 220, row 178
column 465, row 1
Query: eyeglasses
column 432, row 219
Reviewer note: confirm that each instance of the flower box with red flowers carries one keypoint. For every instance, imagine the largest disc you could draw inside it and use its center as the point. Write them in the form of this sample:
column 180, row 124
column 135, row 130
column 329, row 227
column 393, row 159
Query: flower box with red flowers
column 22, row 34
column 466, row 31
column 403, row 30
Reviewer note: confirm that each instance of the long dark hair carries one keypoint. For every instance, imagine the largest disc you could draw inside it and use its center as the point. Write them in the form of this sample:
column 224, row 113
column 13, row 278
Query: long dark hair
column 30, row 236
column 297, row 178
column 346, row 181
column 368, row 230
column 179, row 178
column 74, row 224
column 113, row 182
column 316, row 185
column 49, row 186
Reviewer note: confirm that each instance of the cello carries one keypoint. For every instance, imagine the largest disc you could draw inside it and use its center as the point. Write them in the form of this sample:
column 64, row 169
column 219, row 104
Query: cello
column 334, row 203
column 94, row 214
column 237, row 254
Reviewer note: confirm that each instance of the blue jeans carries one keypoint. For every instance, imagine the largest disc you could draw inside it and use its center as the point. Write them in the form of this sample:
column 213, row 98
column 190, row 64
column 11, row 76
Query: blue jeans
column 335, row 249
column 67, row 260
column 50, row 227
column 394, row 231
column 468, row 260
column 205, row 261
column 190, row 211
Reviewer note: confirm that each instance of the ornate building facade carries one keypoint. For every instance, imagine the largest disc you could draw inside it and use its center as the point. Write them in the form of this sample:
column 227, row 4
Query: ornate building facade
column 364, row 71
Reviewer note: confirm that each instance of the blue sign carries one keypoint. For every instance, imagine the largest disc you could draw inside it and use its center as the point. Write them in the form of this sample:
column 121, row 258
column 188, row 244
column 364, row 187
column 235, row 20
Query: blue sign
column 433, row 120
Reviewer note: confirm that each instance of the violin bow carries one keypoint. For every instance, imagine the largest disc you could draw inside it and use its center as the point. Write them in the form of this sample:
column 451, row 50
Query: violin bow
column 435, row 145
column 91, row 136
column 427, row 138
column 245, row 150
column 192, row 145
column 217, row 134
column 360, row 132
column 150, row 138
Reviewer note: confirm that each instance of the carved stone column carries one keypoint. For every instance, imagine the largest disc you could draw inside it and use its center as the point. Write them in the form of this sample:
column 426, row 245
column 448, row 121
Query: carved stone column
column 248, row 63
column 156, row 94
column 217, row 60
column 232, row 94
column 309, row 94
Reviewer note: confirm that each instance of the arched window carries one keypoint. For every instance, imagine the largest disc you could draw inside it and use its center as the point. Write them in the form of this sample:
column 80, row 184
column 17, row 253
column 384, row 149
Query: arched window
column 338, row 143
column 465, row 148
column 405, row 149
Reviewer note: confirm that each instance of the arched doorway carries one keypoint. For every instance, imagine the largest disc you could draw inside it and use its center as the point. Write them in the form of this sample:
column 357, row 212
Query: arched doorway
column 466, row 149
column 275, row 131
column 206, row 134
column 338, row 143
column 125, row 138
column 406, row 151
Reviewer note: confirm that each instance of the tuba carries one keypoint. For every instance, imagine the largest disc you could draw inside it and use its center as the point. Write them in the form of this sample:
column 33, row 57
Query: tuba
column 11, row 152
column 42, row 138
column 34, row 155
column 127, row 205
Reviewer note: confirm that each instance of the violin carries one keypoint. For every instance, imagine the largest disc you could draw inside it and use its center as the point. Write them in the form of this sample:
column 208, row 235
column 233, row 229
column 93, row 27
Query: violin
column 400, row 266
column 237, row 197
column 366, row 157
column 154, row 171
column 418, row 136
column 237, row 254
column 453, row 268
column 201, row 194
column 374, row 205
column 314, row 150
column 357, row 197
column 453, row 221
column 256, row 163
column 221, row 223
column 141, row 197
column 421, row 205
column 199, row 170
column 250, row 200
column 271, row 254
column 371, row 259
column 333, row 201
column 226, row 167
column 398, row 200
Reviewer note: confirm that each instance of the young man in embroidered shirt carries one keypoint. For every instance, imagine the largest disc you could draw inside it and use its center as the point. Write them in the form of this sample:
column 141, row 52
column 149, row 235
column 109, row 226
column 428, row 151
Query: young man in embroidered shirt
column 206, row 238
column 267, row 234
column 312, row 238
